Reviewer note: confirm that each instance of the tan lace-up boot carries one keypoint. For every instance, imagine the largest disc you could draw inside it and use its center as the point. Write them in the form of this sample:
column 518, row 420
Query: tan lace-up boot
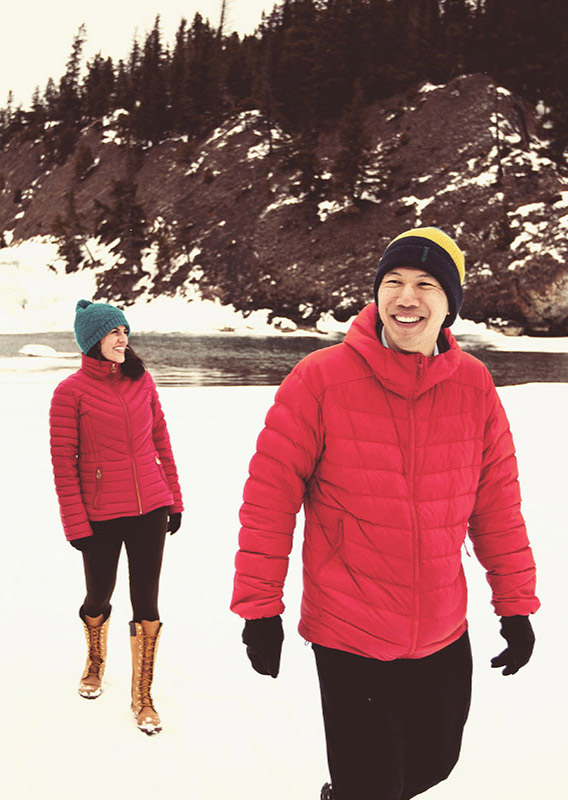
column 96, row 632
column 144, row 638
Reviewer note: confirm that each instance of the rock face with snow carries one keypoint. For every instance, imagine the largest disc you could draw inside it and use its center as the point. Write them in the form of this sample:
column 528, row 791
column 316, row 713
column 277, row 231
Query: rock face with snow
column 230, row 214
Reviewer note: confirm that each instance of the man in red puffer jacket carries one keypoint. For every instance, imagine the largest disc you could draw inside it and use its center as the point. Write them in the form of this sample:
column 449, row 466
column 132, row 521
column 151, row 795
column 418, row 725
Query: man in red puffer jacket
column 397, row 445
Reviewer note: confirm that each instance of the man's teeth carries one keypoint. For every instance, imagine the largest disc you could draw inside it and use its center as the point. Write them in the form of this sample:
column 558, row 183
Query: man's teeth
column 407, row 319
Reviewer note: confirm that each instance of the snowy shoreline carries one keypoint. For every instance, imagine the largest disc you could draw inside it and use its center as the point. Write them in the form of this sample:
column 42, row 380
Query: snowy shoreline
column 37, row 296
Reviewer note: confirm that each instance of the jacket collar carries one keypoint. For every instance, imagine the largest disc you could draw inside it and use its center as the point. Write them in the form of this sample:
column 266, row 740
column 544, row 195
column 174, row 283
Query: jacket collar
column 100, row 370
column 407, row 374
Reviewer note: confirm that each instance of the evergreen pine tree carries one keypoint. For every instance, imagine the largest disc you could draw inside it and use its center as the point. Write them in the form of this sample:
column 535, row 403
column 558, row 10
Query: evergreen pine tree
column 150, row 117
column 69, row 232
column 69, row 109
column 353, row 155
column 181, row 108
column 69, row 100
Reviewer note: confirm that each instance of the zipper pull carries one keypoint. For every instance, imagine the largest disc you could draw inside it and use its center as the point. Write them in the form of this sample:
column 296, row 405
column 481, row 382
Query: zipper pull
column 99, row 474
column 113, row 367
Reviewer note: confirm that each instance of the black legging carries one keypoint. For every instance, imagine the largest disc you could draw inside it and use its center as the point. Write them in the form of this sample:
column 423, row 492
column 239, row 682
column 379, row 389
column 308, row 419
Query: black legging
column 144, row 538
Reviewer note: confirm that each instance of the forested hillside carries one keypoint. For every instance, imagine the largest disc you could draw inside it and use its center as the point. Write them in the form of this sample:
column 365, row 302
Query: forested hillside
column 270, row 170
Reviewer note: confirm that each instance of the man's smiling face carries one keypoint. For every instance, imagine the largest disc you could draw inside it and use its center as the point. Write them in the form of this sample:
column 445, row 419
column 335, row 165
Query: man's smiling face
column 412, row 306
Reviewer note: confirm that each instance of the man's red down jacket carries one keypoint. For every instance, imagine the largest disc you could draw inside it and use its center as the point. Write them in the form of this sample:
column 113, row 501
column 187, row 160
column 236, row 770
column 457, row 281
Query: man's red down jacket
column 110, row 448
column 395, row 457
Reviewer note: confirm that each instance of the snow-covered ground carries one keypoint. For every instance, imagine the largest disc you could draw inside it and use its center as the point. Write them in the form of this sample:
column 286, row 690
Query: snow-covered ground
column 228, row 732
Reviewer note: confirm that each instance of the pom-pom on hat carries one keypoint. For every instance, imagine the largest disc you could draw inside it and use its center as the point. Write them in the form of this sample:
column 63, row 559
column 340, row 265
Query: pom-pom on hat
column 95, row 320
column 433, row 251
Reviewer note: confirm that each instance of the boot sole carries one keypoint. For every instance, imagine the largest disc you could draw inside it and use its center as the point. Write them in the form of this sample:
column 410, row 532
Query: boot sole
column 149, row 732
column 90, row 695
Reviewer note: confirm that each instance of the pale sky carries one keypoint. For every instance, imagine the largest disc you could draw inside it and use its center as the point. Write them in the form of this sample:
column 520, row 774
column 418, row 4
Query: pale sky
column 36, row 35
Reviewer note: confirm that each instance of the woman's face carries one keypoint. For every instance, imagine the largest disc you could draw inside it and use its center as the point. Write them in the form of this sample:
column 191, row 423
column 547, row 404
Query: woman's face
column 113, row 345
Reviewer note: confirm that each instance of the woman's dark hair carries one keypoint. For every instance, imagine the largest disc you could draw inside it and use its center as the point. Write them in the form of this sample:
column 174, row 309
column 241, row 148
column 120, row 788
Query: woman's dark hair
column 133, row 367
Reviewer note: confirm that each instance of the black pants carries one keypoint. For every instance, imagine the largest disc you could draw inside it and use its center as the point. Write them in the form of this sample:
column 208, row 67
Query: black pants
column 393, row 728
column 144, row 538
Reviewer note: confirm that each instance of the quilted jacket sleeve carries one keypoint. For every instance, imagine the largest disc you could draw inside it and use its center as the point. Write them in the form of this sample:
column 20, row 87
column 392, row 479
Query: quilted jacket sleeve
column 288, row 449
column 163, row 446
column 496, row 527
column 64, row 442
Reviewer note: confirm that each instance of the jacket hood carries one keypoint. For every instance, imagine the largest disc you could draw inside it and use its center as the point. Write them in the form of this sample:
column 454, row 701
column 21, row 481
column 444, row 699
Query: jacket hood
column 407, row 374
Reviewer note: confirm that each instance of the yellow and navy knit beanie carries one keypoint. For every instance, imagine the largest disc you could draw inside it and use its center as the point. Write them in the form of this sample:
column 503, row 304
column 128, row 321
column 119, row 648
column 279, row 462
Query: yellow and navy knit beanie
column 433, row 251
column 95, row 320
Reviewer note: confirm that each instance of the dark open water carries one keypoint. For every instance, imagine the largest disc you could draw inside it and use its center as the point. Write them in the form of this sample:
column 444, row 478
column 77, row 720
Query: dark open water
column 232, row 360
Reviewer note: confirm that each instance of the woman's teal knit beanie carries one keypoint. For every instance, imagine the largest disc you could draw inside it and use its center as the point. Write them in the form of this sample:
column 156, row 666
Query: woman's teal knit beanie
column 95, row 320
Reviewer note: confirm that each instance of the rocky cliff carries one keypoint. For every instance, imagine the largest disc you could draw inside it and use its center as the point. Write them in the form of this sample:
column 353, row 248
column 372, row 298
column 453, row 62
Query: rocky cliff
column 230, row 216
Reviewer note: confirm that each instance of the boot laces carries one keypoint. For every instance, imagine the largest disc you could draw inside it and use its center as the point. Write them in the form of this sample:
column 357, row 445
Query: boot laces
column 95, row 650
column 147, row 669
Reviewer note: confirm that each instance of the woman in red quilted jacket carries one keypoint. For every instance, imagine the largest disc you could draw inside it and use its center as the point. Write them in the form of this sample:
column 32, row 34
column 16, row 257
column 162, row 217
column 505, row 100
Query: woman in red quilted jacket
column 117, row 483
column 397, row 445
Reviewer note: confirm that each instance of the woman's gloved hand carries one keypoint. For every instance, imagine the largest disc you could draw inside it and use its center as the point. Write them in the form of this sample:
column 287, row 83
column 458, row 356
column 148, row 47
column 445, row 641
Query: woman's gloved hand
column 85, row 544
column 174, row 521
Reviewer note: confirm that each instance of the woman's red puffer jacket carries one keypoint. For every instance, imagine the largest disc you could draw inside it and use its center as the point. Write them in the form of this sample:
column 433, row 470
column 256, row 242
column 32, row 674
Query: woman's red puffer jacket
column 110, row 448
column 395, row 457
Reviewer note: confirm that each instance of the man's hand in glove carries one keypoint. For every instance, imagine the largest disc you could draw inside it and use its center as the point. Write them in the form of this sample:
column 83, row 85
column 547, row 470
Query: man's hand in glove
column 263, row 638
column 520, row 637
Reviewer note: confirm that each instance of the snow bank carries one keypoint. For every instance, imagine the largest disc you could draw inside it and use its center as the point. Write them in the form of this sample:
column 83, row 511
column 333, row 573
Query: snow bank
column 36, row 295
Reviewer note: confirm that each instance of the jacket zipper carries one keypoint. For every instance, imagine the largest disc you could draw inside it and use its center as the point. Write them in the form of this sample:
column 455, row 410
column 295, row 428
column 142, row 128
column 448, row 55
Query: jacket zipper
column 128, row 433
column 415, row 528
column 420, row 367
column 415, row 533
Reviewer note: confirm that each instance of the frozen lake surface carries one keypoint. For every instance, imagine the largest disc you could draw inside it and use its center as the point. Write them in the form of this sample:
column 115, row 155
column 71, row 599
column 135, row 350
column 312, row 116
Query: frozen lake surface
column 232, row 359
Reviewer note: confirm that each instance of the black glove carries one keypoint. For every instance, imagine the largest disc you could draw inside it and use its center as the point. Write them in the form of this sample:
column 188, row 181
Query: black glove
column 174, row 521
column 85, row 544
column 263, row 638
column 520, row 637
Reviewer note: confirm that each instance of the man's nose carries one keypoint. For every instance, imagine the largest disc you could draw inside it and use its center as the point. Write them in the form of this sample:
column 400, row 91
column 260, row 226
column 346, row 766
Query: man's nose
column 407, row 296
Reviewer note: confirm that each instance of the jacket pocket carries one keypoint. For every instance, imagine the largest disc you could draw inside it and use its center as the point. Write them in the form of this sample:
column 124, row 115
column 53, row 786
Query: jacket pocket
column 98, row 478
column 336, row 544
column 161, row 470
